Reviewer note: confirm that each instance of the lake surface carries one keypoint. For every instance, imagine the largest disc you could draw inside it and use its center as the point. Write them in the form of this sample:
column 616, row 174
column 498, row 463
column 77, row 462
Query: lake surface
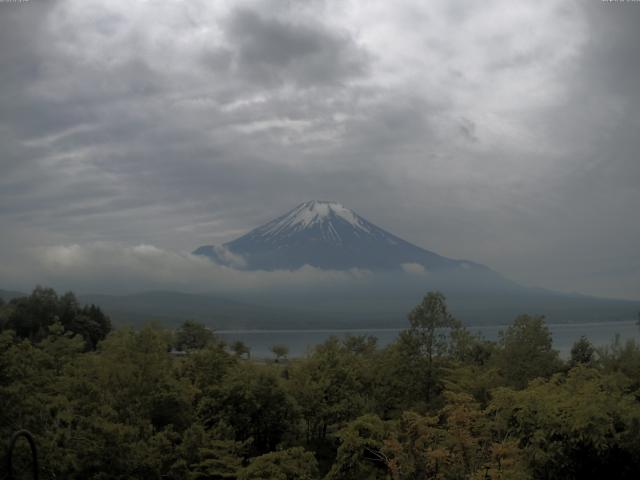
column 301, row 342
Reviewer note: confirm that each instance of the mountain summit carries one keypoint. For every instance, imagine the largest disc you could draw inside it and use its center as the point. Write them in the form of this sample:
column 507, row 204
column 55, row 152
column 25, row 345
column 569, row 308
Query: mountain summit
column 325, row 235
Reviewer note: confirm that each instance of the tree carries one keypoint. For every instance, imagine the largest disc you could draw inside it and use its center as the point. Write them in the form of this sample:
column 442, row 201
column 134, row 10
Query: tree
column 30, row 317
column 456, row 442
column 360, row 344
column 240, row 349
column 471, row 349
column 360, row 454
column 582, row 352
column 92, row 324
column 328, row 387
column 526, row 351
column 25, row 378
column 427, row 337
column 291, row 464
column 62, row 346
column 429, row 322
column 193, row 335
column 280, row 351
column 580, row 425
column 206, row 368
column 622, row 357
column 252, row 401
column 204, row 454
column 134, row 376
column 5, row 314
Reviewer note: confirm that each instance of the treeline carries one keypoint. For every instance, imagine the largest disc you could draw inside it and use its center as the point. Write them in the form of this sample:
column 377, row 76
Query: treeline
column 33, row 317
column 438, row 403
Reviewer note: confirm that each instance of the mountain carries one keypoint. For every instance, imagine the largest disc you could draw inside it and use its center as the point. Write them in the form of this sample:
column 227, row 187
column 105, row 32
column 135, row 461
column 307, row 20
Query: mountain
column 365, row 309
column 171, row 308
column 7, row 295
column 329, row 236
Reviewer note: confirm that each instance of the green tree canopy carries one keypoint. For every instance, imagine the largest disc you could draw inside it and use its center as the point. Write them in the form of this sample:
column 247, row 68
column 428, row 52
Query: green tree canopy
column 291, row 464
column 252, row 401
column 280, row 351
column 526, row 351
column 240, row 348
column 30, row 317
column 582, row 352
column 192, row 335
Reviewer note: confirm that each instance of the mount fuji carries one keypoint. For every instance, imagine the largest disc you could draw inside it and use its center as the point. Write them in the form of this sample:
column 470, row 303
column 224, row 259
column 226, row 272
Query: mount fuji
column 327, row 235
column 384, row 277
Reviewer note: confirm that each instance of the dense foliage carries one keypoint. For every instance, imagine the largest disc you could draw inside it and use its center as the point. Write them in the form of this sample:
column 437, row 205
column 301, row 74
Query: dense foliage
column 32, row 317
column 439, row 403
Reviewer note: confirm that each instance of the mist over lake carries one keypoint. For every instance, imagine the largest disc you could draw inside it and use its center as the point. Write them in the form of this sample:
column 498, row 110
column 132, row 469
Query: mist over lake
column 302, row 342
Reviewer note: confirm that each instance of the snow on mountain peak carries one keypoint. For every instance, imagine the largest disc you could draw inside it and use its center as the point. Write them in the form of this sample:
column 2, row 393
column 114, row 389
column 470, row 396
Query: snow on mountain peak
column 310, row 213
column 325, row 235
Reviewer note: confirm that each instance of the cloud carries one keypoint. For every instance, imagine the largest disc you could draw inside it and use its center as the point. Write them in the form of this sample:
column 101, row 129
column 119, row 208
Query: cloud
column 500, row 131
column 414, row 268
column 107, row 267
column 229, row 258
column 273, row 51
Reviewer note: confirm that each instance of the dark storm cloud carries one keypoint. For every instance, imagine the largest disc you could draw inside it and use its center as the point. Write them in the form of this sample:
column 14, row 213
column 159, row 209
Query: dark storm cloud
column 21, row 58
column 504, row 132
column 275, row 51
column 594, row 193
column 613, row 51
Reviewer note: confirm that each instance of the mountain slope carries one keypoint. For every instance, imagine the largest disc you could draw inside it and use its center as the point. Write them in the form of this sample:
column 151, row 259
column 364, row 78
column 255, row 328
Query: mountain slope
column 7, row 295
column 380, row 308
column 171, row 308
column 329, row 236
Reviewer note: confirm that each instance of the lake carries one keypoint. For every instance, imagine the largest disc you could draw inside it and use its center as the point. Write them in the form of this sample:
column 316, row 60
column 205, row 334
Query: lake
column 300, row 342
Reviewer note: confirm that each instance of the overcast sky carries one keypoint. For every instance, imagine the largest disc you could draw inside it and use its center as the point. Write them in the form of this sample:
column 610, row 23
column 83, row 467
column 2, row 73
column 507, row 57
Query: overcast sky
column 505, row 132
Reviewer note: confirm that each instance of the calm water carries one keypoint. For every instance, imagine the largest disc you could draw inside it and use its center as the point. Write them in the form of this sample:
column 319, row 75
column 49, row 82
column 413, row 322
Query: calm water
column 300, row 342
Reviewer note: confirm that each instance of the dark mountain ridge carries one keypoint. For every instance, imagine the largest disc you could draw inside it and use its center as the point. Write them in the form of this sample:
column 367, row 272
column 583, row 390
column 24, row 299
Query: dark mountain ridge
column 329, row 236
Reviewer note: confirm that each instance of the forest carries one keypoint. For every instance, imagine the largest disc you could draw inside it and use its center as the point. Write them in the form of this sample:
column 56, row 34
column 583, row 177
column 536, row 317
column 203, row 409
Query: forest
column 438, row 403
